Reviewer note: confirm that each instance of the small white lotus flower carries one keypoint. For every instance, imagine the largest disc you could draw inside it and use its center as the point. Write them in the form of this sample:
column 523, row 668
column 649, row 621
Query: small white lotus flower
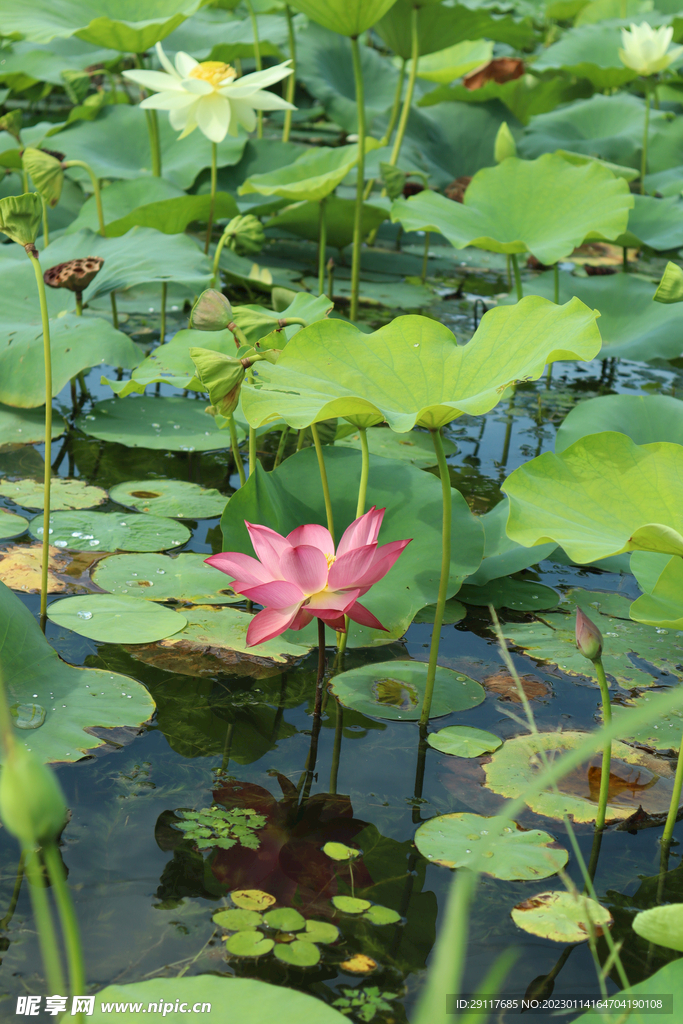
column 646, row 49
column 209, row 96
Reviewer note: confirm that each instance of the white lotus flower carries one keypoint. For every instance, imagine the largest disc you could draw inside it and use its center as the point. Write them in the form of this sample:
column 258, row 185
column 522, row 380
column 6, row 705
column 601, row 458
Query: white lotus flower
column 209, row 96
column 646, row 49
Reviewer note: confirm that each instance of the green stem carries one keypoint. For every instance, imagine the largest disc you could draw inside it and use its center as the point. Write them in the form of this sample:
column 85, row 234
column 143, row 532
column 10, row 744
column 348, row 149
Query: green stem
column 386, row 138
column 675, row 801
column 46, row 930
column 236, row 451
column 257, row 58
column 360, row 510
column 336, row 748
column 155, row 144
column 15, row 893
column 47, row 357
column 301, row 437
column 624, row 260
column 67, row 919
column 518, row 279
column 162, row 324
column 330, row 279
column 323, row 478
column 46, row 227
column 95, row 187
column 646, row 130
column 425, row 258
column 322, row 246
column 114, row 310
column 252, row 451
column 291, row 81
column 281, row 446
column 408, row 100
column 214, row 174
column 216, row 258
column 445, row 572
column 360, row 179
column 607, row 749
column 556, row 281
column 79, row 303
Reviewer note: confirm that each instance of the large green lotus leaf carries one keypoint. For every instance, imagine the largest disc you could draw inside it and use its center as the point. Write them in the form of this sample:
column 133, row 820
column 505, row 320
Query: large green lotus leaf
column 116, row 145
column 440, row 26
column 170, row 216
column 518, row 595
column 292, row 495
column 73, row 699
column 415, row 447
column 545, row 206
column 644, row 418
column 303, row 219
column 516, row 764
column 553, row 639
column 561, row 916
column 312, row 176
column 64, row 493
column 609, row 127
column 401, row 295
column 412, row 371
column 183, row 577
column 464, row 741
column 662, row 925
column 515, row 854
column 668, row 980
column 131, row 26
column 116, row 618
column 445, row 66
column 347, row 17
column 601, row 496
column 111, row 531
column 176, row 498
column 590, row 52
column 120, row 197
column 164, row 423
column 26, row 426
column 631, row 325
column 502, row 556
column 663, row 606
column 396, row 690
column 45, row 63
column 11, row 525
column 655, row 222
column 213, row 627
column 171, row 363
column 524, row 97
column 647, row 567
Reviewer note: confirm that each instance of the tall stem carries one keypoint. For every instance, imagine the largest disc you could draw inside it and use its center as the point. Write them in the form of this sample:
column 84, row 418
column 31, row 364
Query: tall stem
column 217, row 257
column 79, row 303
column 239, row 465
column 67, row 919
column 155, row 143
column 257, row 58
column 336, row 749
column 214, row 174
column 15, row 893
column 408, row 99
column 323, row 478
column 46, row 226
column 607, row 749
column 95, row 187
column 291, row 81
column 556, row 282
column 360, row 182
column 445, row 572
column 322, row 246
column 252, row 451
column 518, row 279
column 646, row 130
column 360, row 510
column 45, row 925
column 675, row 801
column 393, row 117
column 114, row 310
column 162, row 324
column 423, row 276
column 281, row 446
column 47, row 357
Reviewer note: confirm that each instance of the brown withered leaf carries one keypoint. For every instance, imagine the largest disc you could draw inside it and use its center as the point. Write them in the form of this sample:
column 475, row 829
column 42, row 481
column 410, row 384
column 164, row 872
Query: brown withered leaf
column 503, row 684
column 359, row 964
column 500, row 69
column 67, row 573
column 456, row 190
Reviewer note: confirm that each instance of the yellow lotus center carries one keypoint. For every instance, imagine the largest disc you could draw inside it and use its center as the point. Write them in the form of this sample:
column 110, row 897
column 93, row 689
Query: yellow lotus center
column 215, row 72
column 330, row 560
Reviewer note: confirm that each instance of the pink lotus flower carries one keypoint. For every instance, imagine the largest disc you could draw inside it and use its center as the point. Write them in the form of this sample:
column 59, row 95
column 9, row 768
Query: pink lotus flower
column 300, row 576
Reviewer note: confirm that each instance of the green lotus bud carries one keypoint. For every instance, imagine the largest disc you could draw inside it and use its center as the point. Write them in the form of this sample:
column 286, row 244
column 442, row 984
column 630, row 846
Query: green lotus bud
column 221, row 376
column 32, row 805
column 394, row 180
column 11, row 123
column 245, row 235
column 20, row 217
column 46, row 173
column 211, row 312
column 504, row 145
column 588, row 637
column 670, row 288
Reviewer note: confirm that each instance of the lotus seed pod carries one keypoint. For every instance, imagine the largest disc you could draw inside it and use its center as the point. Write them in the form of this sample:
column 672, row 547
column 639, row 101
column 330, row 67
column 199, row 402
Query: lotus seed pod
column 75, row 275
column 245, row 234
column 588, row 637
column 211, row 312
column 32, row 805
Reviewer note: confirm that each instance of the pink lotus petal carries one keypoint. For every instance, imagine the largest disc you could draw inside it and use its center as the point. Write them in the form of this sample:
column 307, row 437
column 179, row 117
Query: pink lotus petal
column 305, row 566
column 331, row 601
column 277, row 594
column 385, row 556
column 244, row 568
column 351, row 567
column 270, row 623
column 316, row 536
column 302, row 619
column 268, row 545
column 360, row 614
column 362, row 531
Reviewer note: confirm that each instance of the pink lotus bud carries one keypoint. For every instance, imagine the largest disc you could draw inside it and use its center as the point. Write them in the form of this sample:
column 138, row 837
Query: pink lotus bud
column 588, row 637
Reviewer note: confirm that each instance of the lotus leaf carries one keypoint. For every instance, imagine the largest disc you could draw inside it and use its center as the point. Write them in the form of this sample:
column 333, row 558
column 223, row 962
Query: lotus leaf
column 298, row 953
column 444, row 66
column 661, row 925
column 657, row 223
column 663, row 733
column 21, row 569
column 183, row 577
column 454, row 611
column 292, row 494
column 347, row 17
column 303, row 219
column 663, row 605
column 73, row 699
column 213, row 627
column 501, row 555
column 464, row 741
column 411, row 371
column 119, row 198
column 590, row 52
column 401, row 295
column 525, row 97
column 643, row 418
column 176, row 498
column 169, row 215
column 284, row 919
column 546, row 207
column 395, row 690
column 518, row 595
column 601, row 496
column 109, row 531
column 440, row 26
column 166, row 424
column 115, row 619
column 633, row 781
column 171, row 363
column 447, row 839
column 647, row 567
column 26, row 426
column 11, row 525
column 248, row 943
column 561, row 916
column 46, row 62
column 64, row 493
column 237, row 920
column 312, row 176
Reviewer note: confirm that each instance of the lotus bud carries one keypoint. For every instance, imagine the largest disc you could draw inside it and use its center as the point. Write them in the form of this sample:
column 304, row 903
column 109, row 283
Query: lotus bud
column 75, row 275
column 394, row 179
column 32, row 805
column 588, row 637
column 211, row 312
column 21, row 217
column 670, row 288
column 504, row 145
column 221, row 376
column 46, row 173
column 245, row 234
column 11, row 123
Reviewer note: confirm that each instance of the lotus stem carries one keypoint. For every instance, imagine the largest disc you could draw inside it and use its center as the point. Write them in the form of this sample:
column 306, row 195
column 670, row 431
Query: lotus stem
column 323, row 478
column 17, row 888
column 646, row 131
column 291, row 81
column 162, row 324
column 408, row 99
column 47, row 356
column 556, row 282
column 393, row 117
column 336, row 748
column 239, row 465
column 342, row 638
column 518, row 279
column 154, row 143
column 322, row 246
column 425, row 258
column 445, row 573
column 95, row 187
column 606, row 750
column 675, row 801
column 301, row 437
column 209, row 226
column 281, row 446
column 317, row 710
column 330, row 279
column 45, row 925
column 67, row 918
column 79, row 303
column 360, row 179
column 46, row 227
column 252, row 451
column 257, row 58
column 114, row 310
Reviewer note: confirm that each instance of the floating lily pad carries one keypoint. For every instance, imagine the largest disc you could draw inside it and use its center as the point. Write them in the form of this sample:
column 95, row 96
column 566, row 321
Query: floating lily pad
column 662, row 734
column 175, row 498
column 285, row 919
column 381, row 915
column 166, row 424
column 321, row 931
column 454, row 611
column 11, row 525
column 116, row 619
column 237, row 920
column 415, row 446
column 64, row 493
column 27, row 716
column 26, row 426
column 111, row 531
column 561, row 916
column 183, row 577
column 74, row 699
column 21, row 569
column 210, row 627
column 252, row 899
column 395, row 690
column 464, row 741
column 248, row 943
column 518, row 595
column 340, row 851
column 350, row 904
column 298, row 953
column 451, row 840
